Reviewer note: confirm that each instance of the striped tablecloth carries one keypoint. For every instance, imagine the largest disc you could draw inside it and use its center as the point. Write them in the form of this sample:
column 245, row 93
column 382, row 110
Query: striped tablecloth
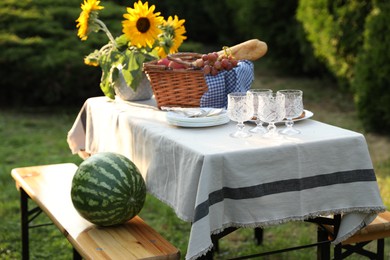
column 215, row 181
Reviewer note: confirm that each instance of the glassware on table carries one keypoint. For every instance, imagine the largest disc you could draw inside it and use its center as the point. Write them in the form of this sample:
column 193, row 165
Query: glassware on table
column 294, row 108
column 259, row 128
column 240, row 109
column 271, row 110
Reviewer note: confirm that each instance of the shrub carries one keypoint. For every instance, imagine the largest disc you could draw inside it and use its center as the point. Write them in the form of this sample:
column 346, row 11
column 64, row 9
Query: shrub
column 274, row 22
column 42, row 57
column 334, row 29
column 371, row 84
column 351, row 38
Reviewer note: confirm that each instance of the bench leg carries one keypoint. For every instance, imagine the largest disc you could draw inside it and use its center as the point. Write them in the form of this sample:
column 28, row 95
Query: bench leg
column 24, row 224
column 27, row 216
column 76, row 255
column 381, row 249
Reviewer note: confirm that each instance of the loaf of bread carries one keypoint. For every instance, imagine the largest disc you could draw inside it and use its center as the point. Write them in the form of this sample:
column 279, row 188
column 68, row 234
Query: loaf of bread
column 249, row 50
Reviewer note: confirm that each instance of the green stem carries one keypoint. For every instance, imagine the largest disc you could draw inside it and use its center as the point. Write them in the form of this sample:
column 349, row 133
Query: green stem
column 109, row 35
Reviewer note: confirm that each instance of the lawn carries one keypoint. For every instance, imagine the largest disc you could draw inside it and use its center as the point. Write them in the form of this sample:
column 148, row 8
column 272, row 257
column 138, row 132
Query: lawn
column 38, row 136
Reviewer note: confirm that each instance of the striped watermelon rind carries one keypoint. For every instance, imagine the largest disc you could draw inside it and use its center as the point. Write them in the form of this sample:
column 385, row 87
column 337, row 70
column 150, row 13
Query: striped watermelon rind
column 108, row 189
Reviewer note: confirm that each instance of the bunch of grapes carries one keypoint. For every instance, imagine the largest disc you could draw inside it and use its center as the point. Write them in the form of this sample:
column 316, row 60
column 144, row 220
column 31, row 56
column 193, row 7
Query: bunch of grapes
column 212, row 63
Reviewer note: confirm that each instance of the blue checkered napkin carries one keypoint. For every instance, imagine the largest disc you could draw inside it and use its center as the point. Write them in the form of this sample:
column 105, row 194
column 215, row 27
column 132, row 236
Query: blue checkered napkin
column 237, row 80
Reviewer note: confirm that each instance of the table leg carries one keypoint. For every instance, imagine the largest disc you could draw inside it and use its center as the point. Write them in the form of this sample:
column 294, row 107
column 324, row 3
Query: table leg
column 338, row 248
column 24, row 224
column 259, row 235
column 323, row 250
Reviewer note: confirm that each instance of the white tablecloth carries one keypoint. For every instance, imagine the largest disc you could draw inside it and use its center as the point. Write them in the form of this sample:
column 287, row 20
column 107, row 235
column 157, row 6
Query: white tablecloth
column 215, row 181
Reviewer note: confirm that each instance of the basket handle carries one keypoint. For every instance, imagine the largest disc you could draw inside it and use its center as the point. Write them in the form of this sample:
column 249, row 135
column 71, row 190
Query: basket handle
column 185, row 58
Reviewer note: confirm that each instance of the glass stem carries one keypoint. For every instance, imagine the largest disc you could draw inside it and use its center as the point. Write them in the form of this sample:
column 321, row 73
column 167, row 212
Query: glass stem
column 240, row 126
column 271, row 128
column 289, row 123
column 258, row 122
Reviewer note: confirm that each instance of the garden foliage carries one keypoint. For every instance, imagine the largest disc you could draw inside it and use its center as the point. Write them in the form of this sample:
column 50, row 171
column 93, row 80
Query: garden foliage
column 371, row 84
column 352, row 39
column 42, row 57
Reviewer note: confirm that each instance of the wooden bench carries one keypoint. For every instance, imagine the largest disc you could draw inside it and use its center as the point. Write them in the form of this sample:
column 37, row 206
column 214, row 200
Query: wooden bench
column 377, row 230
column 49, row 187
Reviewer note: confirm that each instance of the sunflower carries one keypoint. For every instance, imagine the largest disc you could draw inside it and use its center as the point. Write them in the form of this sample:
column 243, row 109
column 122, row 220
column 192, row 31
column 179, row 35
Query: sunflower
column 146, row 36
column 141, row 26
column 83, row 22
column 175, row 28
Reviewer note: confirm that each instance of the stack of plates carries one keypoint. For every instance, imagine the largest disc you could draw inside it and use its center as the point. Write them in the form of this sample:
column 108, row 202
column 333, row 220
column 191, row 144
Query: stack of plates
column 179, row 119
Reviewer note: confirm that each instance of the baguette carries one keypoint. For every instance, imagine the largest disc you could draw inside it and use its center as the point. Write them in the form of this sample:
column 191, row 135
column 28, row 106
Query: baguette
column 249, row 50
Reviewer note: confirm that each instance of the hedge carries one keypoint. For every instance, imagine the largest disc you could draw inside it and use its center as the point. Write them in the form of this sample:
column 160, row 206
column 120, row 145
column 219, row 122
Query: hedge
column 42, row 57
column 352, row 39
column 371, row 84
column 274, row 22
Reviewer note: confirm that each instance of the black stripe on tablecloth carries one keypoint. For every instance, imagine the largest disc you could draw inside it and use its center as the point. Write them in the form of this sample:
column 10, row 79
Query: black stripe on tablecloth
column 289, row 185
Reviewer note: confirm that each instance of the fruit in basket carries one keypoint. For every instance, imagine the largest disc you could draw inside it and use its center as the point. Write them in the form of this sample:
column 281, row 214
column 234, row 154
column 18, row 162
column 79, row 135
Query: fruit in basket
column 212, row 63
column 176, row 65
column 163, row 61
column 108, row 189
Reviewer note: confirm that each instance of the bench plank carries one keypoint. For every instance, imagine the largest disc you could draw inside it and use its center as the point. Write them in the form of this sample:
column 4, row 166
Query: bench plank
column 49, row 187
column 379, row 228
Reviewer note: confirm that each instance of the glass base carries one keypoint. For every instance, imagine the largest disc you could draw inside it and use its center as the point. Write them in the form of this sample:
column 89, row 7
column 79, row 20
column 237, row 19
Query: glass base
column 272, row 132
column 240, row 134
column 258, row 130
column 289, row 131
column 272, row 135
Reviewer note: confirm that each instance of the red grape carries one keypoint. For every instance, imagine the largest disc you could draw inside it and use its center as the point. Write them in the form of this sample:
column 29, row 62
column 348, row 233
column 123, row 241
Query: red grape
column 217, row 65
column 212, row 63
column 207, row 69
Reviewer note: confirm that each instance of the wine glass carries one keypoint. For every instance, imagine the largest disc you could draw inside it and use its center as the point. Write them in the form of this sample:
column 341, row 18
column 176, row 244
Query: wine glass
column 272, row 110
column 240, row 109
column 294, row 108
column 259, row 128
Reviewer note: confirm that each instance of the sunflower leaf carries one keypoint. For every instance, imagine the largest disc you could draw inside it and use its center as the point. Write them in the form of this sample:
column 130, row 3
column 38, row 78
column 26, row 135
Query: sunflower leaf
column 105, row 86
column 132, row 69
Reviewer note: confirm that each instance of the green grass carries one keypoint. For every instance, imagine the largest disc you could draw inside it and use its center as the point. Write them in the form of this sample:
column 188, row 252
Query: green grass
column 38, row 136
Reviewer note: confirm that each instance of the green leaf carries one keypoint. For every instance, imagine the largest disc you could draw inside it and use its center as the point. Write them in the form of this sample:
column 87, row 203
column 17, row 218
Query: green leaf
column 106, row 81
column 122, row 41
column 105, row 86
column 132, row 70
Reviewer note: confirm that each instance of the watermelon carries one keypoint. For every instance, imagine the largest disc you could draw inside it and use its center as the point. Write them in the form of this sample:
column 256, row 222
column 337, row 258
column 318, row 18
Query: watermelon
column 108, row 189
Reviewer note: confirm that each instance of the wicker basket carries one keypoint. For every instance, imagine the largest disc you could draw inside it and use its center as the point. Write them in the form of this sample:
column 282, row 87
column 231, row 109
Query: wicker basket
column 179, row 87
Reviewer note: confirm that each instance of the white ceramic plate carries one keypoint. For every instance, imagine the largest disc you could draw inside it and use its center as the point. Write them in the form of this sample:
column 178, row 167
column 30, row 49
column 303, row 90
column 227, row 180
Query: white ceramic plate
column 178, row 119
column 308, row 114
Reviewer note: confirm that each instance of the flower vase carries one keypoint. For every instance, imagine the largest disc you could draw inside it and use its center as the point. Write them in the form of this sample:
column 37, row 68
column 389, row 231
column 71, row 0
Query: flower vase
column 123, row 91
